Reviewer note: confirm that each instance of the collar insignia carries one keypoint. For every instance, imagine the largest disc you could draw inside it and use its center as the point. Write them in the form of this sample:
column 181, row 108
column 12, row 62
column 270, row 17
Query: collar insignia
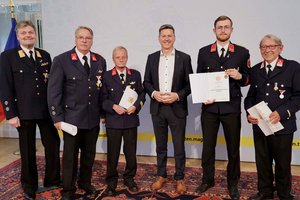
column 21, row 53
column 231, row 48
column 38, row 54
column 213, row 47
column 93, row 56
column 279, row 62
column 74, row 56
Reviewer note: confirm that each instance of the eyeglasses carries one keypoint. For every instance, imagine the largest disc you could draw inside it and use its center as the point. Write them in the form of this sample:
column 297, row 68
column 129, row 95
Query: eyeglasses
column 271, row 47
column 84, row 38
column 226, row 28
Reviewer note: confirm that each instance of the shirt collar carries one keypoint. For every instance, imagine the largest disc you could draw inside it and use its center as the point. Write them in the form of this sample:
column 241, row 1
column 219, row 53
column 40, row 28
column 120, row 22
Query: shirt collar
column 171, row 54
column 80, row 55
column 27, row 51
column 219, row 47
column 273, row 64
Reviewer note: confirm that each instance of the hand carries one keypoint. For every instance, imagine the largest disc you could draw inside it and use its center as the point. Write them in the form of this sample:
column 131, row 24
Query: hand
column 119, row 109
column 234, row 73
column 252, row 120
column 274, row 117
column 14, row 122
column 170, row 97
column 209, row 101
column 57, row 125
column 103, row 120
column 158, row 96
column 131, row 110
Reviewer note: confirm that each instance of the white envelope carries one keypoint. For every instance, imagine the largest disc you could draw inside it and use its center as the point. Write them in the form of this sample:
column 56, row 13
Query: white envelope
column 69, row 128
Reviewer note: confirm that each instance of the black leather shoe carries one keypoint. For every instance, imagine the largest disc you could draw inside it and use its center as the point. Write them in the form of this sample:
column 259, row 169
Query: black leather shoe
column 110, row 191
column 89, row 189
column 132, row 186
column 204, row 187
column 67, row 197
column 29, row 196
column 260, row 196
column 234, row 193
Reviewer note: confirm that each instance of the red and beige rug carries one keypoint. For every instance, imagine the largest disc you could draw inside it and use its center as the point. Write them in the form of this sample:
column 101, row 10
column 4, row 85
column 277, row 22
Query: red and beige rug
column 10, row 187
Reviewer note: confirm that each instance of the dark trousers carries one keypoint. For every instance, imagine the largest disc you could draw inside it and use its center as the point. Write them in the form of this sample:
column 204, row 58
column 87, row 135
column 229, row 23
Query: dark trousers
column 85, row 140
column 277, row 148
column 231, row 125
column 166, row 118
column 27, row 142
column 114, row 139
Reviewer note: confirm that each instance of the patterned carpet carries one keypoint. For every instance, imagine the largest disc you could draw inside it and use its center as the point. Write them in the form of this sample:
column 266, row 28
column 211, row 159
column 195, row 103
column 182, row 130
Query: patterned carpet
column 10, row 187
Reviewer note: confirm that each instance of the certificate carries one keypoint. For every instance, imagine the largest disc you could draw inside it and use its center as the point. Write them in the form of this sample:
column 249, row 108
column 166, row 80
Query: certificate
column 69, row 128
column 128, row 98
column 209, row 86
column 262, row 112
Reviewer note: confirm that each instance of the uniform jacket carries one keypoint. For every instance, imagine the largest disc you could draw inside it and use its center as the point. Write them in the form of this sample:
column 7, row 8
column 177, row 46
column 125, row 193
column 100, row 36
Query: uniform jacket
column 236, row 57
column 23, row 84
column 73, row 95
column 112, row 93
column 281, row 91
column 180, row 84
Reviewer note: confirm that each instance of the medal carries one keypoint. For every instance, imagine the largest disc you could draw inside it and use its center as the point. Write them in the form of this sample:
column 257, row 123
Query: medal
column 281, row 96
column 46, row 75
column 276, row 86
column 98, row 83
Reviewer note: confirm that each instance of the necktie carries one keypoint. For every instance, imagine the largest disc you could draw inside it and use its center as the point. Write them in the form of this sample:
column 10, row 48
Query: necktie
column 122, row 78
column 269, row 70
column 86, row 65
column 223, row 53
column 31, row 57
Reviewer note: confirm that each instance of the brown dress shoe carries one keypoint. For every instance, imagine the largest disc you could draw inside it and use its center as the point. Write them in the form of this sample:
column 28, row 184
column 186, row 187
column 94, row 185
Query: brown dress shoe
column 159, row 183
column 181, row 189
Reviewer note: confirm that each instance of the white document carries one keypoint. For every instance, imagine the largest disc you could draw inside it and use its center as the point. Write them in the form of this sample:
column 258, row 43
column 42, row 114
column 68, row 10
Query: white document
column 262, row 112
column 69, row 128
column 128, row 98
column 210, row 86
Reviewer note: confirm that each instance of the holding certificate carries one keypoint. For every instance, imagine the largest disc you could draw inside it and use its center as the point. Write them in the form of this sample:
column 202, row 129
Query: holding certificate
column 123, row 97
column 276, row 81
column 233, row 60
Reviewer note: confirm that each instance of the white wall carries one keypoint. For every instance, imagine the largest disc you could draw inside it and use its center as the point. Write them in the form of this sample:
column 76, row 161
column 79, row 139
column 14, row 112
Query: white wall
column 134, row 24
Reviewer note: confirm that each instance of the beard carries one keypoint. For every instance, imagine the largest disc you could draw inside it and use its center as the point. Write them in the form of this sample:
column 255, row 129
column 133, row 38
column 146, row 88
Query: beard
column 223, row 38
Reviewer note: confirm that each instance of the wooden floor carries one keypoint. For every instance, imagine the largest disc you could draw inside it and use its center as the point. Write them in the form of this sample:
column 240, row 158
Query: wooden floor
column 8, row 146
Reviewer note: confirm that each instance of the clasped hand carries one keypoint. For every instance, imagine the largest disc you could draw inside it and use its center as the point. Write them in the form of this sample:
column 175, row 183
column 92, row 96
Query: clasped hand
column 165, row 97
column 121, row 111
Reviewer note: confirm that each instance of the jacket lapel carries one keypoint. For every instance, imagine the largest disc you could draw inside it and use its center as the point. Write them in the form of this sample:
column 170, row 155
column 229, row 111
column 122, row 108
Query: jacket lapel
column 76, row 62
column 24, row 58
column 176, row 68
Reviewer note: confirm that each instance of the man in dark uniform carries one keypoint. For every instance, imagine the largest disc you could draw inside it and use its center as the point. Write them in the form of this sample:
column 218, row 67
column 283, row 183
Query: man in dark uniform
column 167, row 83
column 24, row 79
column 74, row 97
column 234, row 60
column 277, row 82
column 121, row 122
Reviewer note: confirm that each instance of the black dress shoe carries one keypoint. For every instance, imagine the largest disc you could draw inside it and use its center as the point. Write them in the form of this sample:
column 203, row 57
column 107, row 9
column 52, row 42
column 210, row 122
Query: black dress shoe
column 234, row 193
column 204, row 187
column 67, row 197
column 260, row 196
column 29, row 196
column 89, row 189
column 110, row 191
column 132, row 186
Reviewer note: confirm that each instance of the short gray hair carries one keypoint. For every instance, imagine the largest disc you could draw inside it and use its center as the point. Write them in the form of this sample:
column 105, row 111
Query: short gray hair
column 276, row 39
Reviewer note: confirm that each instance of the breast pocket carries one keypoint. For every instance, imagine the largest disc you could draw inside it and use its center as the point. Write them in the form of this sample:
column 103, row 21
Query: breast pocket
column 18, row 76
